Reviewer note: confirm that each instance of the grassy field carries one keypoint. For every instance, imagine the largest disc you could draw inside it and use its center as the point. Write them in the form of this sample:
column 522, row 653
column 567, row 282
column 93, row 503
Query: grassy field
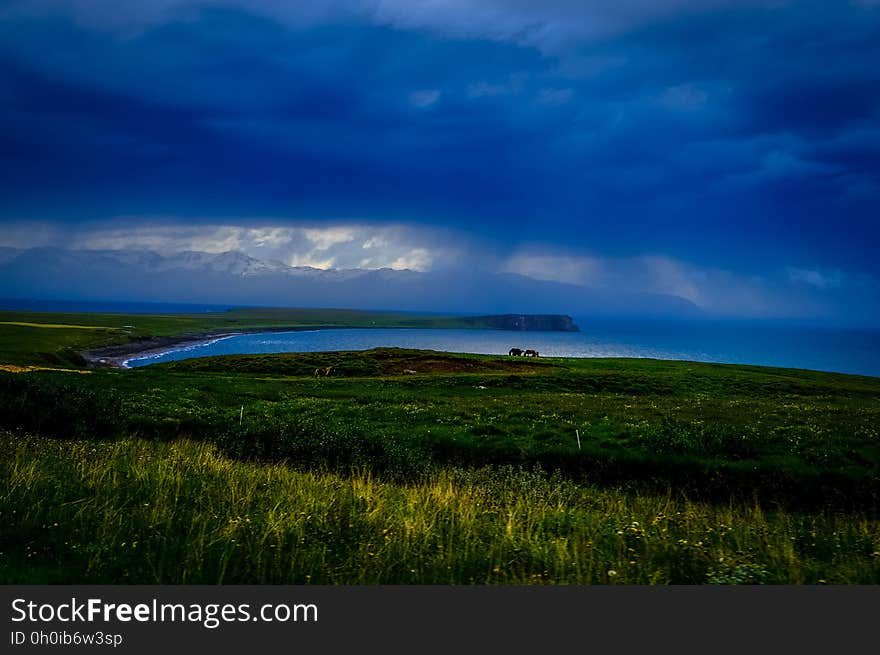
column 474, row 469
column 141, row 511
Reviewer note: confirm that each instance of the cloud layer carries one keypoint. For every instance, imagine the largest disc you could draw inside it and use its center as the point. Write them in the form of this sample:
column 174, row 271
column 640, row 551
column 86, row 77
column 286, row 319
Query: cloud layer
column 775, row 292
column 342, row 246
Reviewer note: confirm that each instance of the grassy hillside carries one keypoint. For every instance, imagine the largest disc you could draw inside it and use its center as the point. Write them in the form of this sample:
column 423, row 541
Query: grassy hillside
column 417, row 466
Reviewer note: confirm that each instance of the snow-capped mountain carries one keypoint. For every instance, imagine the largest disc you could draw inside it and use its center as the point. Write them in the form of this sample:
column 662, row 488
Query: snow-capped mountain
column 236, row 278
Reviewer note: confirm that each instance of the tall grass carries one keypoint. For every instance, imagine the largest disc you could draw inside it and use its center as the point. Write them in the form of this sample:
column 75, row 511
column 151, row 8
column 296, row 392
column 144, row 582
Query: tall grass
column 141, row 511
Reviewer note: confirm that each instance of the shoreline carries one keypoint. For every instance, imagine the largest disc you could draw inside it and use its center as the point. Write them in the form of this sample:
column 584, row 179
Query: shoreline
column 117, row 355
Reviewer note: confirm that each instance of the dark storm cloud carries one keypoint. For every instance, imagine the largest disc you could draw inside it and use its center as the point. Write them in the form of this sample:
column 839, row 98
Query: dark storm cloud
column 739, row 135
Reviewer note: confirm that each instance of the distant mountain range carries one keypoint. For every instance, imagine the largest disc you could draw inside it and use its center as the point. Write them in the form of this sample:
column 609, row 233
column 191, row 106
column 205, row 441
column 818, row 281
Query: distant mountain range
column 236, row 278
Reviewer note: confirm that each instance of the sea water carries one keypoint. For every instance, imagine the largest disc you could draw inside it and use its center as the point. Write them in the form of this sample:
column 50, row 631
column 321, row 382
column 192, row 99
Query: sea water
column 816, row 347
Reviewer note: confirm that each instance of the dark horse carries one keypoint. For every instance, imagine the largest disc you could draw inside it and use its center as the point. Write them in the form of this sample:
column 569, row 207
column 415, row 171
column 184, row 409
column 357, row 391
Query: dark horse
column 530, row 353
column 515, row 352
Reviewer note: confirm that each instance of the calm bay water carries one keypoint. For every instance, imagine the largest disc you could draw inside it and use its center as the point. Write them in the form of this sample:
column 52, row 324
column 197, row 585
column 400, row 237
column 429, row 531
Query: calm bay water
column 769, row 344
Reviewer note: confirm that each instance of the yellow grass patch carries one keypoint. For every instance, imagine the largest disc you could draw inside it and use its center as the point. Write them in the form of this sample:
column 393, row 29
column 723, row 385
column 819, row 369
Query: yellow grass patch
column 57, row 325
column 13, row 368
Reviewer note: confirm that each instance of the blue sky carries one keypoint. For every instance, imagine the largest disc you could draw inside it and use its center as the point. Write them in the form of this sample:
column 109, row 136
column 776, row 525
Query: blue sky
column 727, row 152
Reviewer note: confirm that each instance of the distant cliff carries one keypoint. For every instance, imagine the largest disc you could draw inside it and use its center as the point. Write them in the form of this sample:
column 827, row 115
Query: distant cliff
column 525, row 322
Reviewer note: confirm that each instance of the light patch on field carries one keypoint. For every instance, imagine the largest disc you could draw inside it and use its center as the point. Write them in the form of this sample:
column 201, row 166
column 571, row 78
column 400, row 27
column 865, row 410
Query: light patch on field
column 12, row 368
column 57, row 326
